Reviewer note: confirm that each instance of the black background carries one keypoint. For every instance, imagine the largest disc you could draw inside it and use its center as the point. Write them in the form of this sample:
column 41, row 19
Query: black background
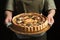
column 7, row 34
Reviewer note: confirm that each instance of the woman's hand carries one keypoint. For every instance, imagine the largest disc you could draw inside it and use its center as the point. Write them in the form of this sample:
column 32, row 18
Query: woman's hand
column 50, row 19
column 8, row 17
column 50, row 16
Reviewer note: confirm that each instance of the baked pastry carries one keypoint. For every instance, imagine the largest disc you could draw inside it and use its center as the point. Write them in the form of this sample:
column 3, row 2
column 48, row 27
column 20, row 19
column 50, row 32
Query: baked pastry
column 30, row 23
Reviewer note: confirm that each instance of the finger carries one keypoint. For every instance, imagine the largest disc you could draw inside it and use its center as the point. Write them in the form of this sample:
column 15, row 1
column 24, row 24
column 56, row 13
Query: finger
column 51, row 21
column 10, row 19
column 6, row 21
column 48, row 20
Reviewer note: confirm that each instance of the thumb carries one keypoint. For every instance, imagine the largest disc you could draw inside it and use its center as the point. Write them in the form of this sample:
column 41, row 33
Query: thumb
column 51, row 21
column 10, row 20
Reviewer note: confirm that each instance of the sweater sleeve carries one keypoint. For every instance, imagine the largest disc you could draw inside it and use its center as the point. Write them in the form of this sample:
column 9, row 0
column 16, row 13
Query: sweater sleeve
column 49, row 4
column 9, row 5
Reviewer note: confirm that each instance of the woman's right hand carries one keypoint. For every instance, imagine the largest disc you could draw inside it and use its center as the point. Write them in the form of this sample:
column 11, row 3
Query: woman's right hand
column 8, row 17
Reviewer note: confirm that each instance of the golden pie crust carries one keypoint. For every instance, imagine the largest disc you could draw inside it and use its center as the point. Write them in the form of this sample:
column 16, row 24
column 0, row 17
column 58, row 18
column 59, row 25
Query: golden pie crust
column 29, row 23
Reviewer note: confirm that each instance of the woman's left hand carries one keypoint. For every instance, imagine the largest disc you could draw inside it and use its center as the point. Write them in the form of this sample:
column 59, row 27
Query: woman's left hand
column 50, row 19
